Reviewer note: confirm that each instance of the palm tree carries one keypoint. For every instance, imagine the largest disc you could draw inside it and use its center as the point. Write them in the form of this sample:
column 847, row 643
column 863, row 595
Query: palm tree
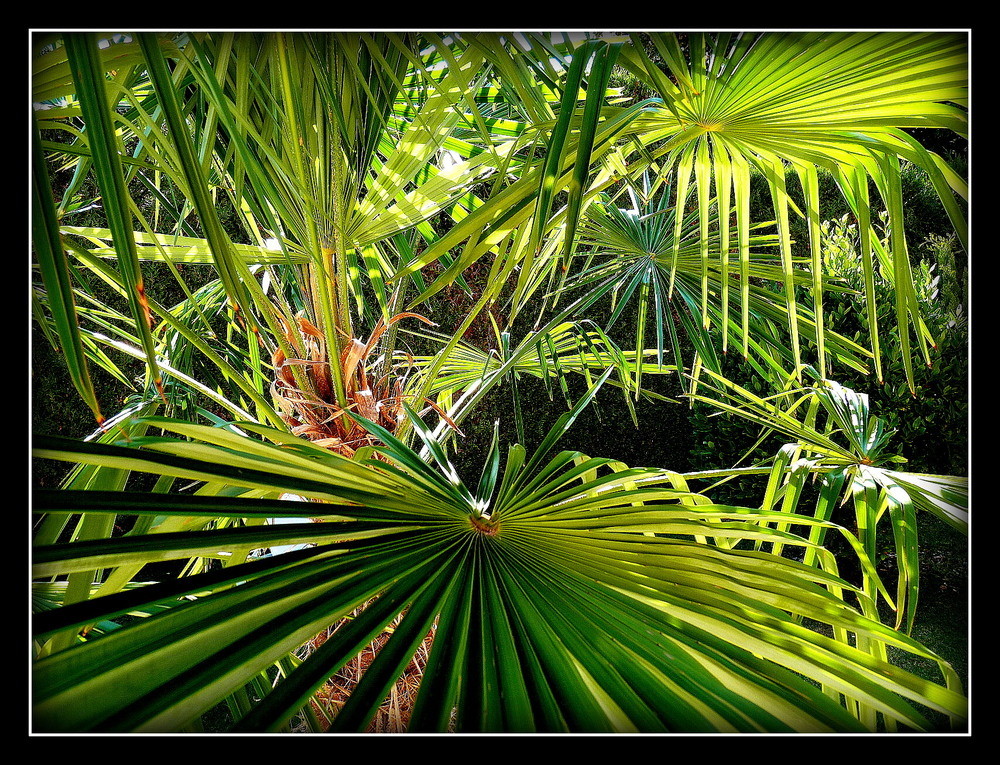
column 561, row 593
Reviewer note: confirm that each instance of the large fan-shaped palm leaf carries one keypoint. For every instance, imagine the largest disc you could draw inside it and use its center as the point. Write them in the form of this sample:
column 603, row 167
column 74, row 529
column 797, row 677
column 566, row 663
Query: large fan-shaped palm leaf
column 563, row 594
column 813, row 101
column 653, row 261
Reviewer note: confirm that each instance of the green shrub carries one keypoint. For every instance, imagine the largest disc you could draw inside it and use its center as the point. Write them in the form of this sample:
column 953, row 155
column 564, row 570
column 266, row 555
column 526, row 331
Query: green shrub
column 932, row 424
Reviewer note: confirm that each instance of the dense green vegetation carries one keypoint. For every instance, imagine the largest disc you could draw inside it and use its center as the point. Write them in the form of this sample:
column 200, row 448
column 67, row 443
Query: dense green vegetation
column 625, row 378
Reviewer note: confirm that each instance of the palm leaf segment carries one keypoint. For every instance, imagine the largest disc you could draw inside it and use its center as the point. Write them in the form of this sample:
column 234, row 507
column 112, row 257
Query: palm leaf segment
column 564, row 593
column 836, row 102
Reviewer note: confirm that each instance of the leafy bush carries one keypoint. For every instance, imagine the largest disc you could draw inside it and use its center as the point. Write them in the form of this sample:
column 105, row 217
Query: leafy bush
column 931, row 423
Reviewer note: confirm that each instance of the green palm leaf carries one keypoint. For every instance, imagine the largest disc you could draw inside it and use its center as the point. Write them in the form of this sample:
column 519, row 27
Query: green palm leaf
column 823, row 100
column 573, row 597
column 88, row 74
column 56, row 279
column 656, row 260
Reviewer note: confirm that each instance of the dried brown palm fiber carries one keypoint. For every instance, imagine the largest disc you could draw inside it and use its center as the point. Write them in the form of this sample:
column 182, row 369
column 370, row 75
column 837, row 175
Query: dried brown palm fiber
column 314, row 414
column 393, row 715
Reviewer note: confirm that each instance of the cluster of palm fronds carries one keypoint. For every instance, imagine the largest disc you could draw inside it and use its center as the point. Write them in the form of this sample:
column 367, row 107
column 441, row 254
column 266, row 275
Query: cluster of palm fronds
column 566, row 592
